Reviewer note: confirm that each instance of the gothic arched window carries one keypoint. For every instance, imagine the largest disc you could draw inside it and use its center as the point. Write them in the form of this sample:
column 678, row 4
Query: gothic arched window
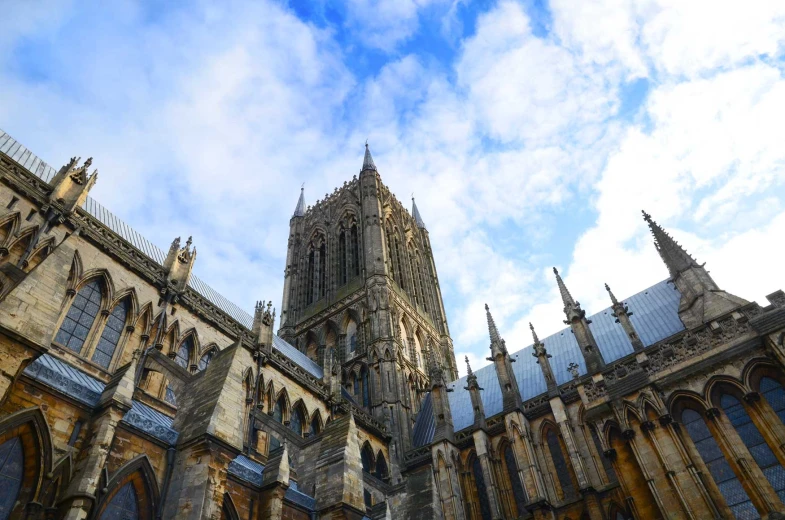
column 280, row 405
column 732, row 491
column 351, row 336
column 355, row 251
column 111, row 334
column 517, row 488
column 366, row 389
column 206, row 359
column 316, row 427
column 482, row 491
column 342, row 269
column 381, row 471
column 123, row 506
column 81, row 315
column 772, row 390
column 560, row 464
column 366, row 456
column 297, row 420
column 183, row 357
column 322, row 272
column 12, row 465
column 309, row 292
column 606, row 462
column 169, row 397
column 754, row 441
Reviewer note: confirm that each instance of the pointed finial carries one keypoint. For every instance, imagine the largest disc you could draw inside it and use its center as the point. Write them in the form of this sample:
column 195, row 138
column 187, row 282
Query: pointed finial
column 368, row 160
column 534, row 334
column 468, row 366
column 299, row 210
column 492, row 330
column 189, row 242
column 675, row 257
column 613, row 297
column 416, row 214
column 566, row 297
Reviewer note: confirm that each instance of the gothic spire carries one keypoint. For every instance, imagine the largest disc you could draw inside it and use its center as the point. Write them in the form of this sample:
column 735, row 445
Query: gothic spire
column 674, row 256
column 496, row 338
column 534, row 334
column 368, row 160
column 542, row 359
column 566, row 297
column 469, row 368
column 416, row 214
column 299, row 211
column 614, row 301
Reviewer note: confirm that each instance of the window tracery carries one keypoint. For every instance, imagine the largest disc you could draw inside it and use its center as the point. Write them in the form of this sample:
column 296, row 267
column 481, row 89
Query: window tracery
column 110, row 337
column 81, row 315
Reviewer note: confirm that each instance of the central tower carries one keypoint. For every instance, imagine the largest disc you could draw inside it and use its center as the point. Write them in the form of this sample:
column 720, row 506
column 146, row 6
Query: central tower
column 361, row 291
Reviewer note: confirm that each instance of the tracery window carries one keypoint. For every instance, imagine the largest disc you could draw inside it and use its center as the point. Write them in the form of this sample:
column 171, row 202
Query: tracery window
column 123, row 506
column 560, row 464
column 366, row 385
column 309, row 292
column 81, row 315
column 322, row 289
column 206, row 359
column 355, row 252
column 183, row 357
column 731, row 489
column 606, row 462
column 517, row 488
column 296, row 421
column 772, row 391
column 12, row 465
column 482, row 491
column 754, row 441
column 342, row 269
column 111, row 335
column 169, row 397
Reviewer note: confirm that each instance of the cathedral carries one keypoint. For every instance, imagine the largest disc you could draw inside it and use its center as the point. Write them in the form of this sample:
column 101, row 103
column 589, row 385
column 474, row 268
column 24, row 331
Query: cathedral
column 129, row 389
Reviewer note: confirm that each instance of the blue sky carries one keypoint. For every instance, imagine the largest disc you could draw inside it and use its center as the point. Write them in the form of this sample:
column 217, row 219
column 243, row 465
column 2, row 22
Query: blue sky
column 532, row 133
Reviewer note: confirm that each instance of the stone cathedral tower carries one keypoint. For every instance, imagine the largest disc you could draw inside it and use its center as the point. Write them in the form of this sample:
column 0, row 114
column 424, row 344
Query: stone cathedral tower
column 361, row 298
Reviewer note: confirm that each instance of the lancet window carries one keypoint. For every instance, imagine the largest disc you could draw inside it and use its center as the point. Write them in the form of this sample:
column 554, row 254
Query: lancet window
column 560, row 465
column 11, row 474
column 110, row 337
column 123, row 506
column 184, row 353
column 81, row 315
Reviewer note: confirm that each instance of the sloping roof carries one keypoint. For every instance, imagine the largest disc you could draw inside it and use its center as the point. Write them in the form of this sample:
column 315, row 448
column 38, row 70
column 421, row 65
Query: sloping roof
column 151, row 421
column 655, row 317
column 23, row 156
column 293, row 494
column 425, row 424
column 244, row 468
column 61, row 376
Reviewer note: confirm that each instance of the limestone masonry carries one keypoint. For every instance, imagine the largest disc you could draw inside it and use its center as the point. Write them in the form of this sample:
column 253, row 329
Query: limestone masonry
column 131, row 390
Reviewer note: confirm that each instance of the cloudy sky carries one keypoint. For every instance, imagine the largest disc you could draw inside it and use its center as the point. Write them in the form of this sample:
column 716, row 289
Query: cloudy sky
column 531, row 132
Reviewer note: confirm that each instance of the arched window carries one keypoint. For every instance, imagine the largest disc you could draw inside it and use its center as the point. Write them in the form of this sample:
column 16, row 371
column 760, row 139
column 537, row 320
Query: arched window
column 772, row 390
column 169, row 397
column 79, row 320
column 754, row 441
column 342, row 269
column 515, row 480
column 110, row 337
column 316, row 427
column 297, row 420
column 366, row 456
column 366, row 389
column 356, row 385
column 351, row 336
column 309, row 292
column 322, row 271
column 355, row 250
column 560, row 464
column 482, row 491
column 398, row 264
column 12, row 465
column 606, row 462
column 183, row 357
column 206, row 358
column 381, row 471
column 280, row 405
column 123, row 506
column 732, row 491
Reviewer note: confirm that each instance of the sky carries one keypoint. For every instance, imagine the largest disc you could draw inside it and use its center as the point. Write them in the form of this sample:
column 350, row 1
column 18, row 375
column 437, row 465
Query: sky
column 531, row 132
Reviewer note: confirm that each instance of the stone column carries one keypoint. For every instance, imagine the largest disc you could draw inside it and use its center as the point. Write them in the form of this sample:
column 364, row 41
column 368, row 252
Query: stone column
column 481, row 447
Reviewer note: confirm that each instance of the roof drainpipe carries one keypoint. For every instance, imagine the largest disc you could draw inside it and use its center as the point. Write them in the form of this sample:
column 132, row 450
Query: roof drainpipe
column 170, row 453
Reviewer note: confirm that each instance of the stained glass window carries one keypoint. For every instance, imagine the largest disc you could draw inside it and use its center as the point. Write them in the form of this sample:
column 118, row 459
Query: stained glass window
column 482, row 492
column 183, row 357
column 205, row 360
column 280, row 404
column 296, row 421
column 754, row 441
column 775, row 395
column 315, row 428
column 123, row 506
column 366, row 456
column 77, row 323
column 12, row 465
column 366, row 399
column 110, row 337
column 606, row 462
column 169, row 396
column 355, row 251
column 560, row 464
column 730, row 487
column 517, row 488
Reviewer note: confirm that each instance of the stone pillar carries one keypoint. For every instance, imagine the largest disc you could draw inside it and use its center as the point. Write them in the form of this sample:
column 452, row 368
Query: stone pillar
column 447, row 481
column 523, row 448
column 339, row 480
column 275, row 482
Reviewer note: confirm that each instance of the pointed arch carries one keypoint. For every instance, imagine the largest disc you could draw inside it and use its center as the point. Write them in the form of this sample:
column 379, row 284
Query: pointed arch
column 206, row 356
column 316, row 424
column 228, row 509
column 80, row 319
column 633, row 479
column 282, row 406
column 75, row 273
column 17, row 246
column 559, row 461
column 9, row 227
column 114, row 329
column 132, row 488
column 381, row 471
column 475, row 489
column 187, row 347
column 26, row 446
column 298, row 418
column 367, row 457
column 107, row 284
column 53, row 487
column 41, row 251
column 144, row 319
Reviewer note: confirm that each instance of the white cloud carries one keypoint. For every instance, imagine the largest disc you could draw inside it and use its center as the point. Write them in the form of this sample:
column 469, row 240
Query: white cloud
column 384, row 24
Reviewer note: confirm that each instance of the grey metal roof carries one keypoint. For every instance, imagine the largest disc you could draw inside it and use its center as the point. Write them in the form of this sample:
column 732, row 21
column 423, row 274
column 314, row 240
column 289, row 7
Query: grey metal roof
column 20, row 154
column 293, row 494
column 65, row 378
column 298, row 357
column 244, row 468
column 655, row 317
column 425, row 424
column 151, row 421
